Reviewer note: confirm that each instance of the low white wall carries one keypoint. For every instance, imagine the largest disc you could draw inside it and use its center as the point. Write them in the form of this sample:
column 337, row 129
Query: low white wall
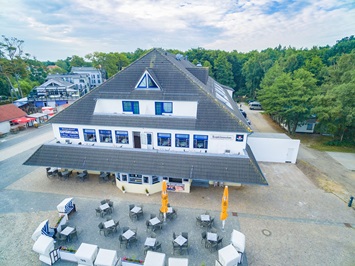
column 274, row 149
column 5, row 127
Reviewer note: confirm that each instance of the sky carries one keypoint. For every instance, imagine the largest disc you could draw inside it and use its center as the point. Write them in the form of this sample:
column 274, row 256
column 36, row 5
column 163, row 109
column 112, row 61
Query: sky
column 57, row 29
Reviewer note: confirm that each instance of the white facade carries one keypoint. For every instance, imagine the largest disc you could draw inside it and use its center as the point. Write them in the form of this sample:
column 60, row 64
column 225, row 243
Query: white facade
column 277, row 148
column 94, row 75
column 217, row 142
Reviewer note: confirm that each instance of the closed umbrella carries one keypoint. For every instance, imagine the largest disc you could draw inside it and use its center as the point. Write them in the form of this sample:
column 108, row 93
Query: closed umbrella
column 164, row 199
column 224, row 213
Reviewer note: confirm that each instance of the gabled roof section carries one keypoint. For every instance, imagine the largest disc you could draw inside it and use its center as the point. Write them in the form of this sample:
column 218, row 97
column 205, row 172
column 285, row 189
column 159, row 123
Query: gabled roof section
column 200, row 72
column 214, row 167
column 147, row 82
column 55, row 82
column 176, row 83
column 9, row 112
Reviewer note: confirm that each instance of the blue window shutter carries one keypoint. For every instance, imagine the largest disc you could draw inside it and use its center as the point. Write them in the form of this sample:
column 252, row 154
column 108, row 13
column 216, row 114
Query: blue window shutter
column 135, row 107
column 158, row 108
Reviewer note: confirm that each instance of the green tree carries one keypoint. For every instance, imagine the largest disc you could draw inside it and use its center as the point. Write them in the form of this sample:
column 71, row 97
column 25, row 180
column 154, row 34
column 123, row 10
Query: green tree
column 111, row 62
column 12, row 64
column 64, row 64
column 335, row 106
column 77, row 61
column 223, row 71
column 286, row 96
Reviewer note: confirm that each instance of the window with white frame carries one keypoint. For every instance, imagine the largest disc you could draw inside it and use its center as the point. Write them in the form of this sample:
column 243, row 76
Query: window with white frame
column 121, row 137
column 130, row 106
column 163, row 108
column 105, row 136
column 164, row 139
column 135, row 179
column 182, row 140
column 200, row 141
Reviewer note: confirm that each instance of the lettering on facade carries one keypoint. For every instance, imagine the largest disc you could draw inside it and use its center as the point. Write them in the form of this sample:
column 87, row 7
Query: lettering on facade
column 220, row 137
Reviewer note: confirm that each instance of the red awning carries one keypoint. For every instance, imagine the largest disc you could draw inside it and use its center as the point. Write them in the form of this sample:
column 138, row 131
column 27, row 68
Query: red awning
column 23, row 120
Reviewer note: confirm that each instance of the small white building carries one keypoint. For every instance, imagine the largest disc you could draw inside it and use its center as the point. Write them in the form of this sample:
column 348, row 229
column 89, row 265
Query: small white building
column 274, row 147
column 94, row 75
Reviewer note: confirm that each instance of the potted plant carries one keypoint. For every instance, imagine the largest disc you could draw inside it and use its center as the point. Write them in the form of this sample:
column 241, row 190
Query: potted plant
column 67, row 253
column 131, row 261
column 123, row 189
column 147, row 192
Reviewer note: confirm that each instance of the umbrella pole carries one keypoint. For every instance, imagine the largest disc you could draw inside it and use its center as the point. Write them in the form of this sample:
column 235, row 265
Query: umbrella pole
column 223, row 223
column 164, row 216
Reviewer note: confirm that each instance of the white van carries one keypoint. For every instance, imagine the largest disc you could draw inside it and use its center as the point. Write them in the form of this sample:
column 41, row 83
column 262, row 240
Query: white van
column 255, row 106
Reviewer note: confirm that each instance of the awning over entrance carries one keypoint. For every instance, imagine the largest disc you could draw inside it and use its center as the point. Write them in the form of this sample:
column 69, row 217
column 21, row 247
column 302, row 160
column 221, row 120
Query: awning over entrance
column 215, row 167
column 23, row 120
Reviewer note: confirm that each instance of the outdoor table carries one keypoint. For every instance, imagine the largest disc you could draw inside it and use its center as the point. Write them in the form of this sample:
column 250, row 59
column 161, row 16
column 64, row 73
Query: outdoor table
column 106, row 257
column 128, row 234
column 104, row 206
column 150, row 242
column 212, row 237
column 205, row 217
column 109, row 223
column 154, row 221
column 178, row 262
column 136, row 209
column 86, row 254
column 180, row 240
column 67, row 230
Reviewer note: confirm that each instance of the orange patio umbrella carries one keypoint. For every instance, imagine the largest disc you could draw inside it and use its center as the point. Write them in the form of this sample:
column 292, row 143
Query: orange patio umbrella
column 164, row 199
column 224, row 213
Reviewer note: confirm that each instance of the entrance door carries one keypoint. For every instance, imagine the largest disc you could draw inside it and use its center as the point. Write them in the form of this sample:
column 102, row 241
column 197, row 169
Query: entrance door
column 289, row 155
column 149, row 141
column 137, row 140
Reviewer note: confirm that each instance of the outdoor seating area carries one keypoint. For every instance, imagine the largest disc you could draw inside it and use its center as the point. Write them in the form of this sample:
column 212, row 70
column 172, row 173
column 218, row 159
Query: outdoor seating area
column 205, row 220
column 62, row 174
column 133, row 239
column 82, row 176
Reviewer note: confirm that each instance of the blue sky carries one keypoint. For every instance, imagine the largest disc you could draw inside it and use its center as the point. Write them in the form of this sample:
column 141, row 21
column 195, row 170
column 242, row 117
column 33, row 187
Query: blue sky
column 56, row 29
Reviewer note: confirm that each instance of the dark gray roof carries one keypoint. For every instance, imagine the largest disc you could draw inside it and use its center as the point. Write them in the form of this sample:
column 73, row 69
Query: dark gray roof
column 177, row 82
column 216, row 167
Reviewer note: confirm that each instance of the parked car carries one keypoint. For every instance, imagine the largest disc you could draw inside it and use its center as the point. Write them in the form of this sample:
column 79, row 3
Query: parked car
column 255, row 106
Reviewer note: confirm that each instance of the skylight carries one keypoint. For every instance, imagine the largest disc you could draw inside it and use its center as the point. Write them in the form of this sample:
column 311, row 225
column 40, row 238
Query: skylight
column 221, row 95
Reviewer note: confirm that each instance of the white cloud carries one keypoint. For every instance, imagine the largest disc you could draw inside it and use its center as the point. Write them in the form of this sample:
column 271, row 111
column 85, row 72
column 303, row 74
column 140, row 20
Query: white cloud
column 57, row 29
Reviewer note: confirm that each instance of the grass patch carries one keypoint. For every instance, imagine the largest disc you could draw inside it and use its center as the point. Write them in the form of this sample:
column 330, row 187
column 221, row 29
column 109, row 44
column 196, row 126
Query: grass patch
column 319, row 142
column 314, row 141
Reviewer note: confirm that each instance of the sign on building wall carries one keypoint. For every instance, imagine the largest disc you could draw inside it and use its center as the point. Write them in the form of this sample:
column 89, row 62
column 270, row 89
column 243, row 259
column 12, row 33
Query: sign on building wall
column 239, row 138
column 175, row 187
column 67, row 132
column 221, row 137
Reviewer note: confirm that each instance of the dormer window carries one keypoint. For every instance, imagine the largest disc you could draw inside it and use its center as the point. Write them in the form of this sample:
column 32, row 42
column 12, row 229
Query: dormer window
column 130, row 107
column 163, row 108
column 147, row 82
